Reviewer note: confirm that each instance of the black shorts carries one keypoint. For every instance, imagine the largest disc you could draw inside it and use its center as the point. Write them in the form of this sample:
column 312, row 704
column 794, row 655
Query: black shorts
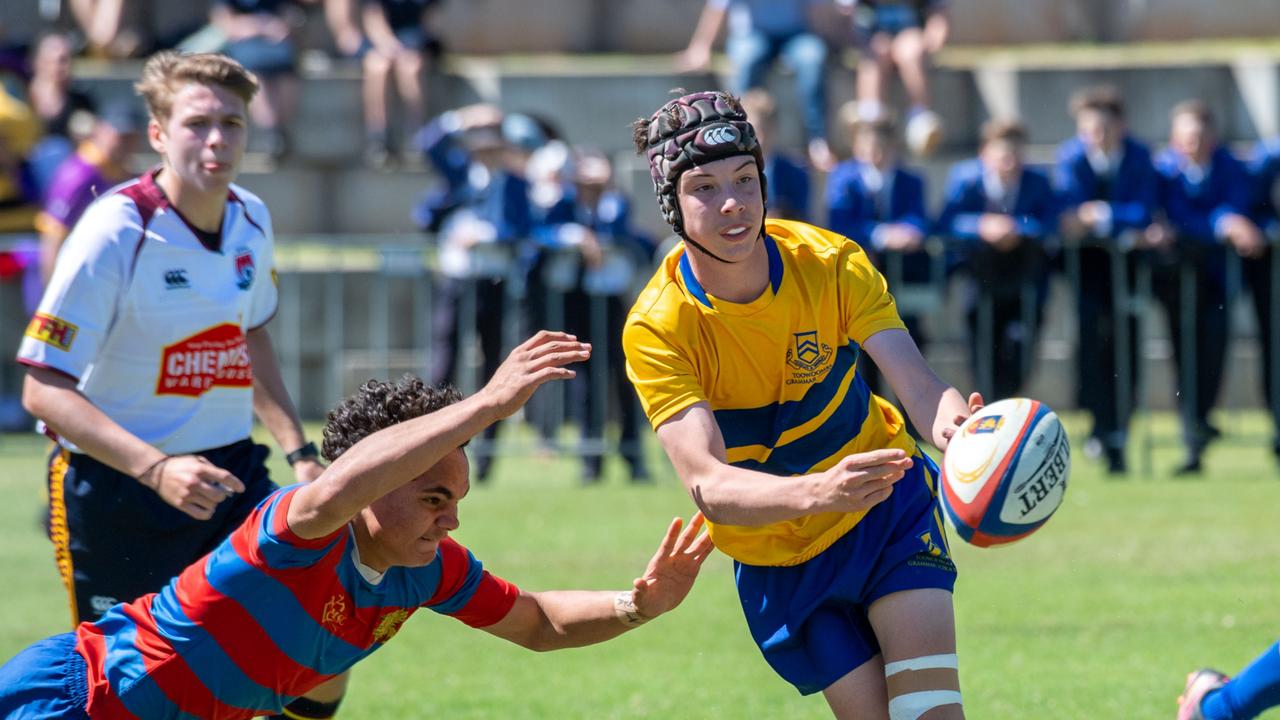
column 116, row 540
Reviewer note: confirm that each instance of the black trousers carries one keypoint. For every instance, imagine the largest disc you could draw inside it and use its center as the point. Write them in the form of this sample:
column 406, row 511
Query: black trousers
column 605, row 335
column 1189, row 281
column 1010, row 286
column 490, row 308
column 1258, row 276
column 1098, row 388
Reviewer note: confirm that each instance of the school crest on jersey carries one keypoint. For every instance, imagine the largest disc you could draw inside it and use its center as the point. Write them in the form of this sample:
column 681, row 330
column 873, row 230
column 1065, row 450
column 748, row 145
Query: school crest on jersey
column 389, row 625
column 214, row 357
column 807, row 357
column 245, row 268
column 930, row 546
column 335, row 613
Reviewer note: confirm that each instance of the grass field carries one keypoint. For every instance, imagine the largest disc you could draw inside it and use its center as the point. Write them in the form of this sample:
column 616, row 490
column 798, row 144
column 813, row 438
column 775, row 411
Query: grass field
column 1098, row 616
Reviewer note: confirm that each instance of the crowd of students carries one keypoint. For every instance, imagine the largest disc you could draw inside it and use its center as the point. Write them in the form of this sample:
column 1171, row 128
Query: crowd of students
column 1004, row 225
column 504, row 177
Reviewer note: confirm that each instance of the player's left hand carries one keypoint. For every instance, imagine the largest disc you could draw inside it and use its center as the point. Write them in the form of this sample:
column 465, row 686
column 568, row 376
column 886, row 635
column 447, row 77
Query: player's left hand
column 307, row 469
column 673, row 569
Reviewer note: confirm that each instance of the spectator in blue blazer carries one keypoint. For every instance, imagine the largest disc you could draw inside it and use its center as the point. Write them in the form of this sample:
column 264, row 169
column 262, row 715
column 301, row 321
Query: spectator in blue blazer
column 1107, row 189
column 589, row 233
column 1264, row 167
column 998, row 216
column 478, row 214
column 786, row 176
column 1203, row 205
column 878, row 203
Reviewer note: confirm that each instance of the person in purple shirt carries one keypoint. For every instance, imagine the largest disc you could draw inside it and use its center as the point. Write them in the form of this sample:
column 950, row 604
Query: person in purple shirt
column 98, row 164
column 1203, row 206
column 1107, row 188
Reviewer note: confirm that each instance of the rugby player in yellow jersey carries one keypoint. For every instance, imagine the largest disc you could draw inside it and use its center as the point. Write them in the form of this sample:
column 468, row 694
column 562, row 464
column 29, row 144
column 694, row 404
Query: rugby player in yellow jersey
column 745, row 348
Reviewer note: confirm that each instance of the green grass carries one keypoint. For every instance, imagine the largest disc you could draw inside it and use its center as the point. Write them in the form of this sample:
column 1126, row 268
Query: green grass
column 1099, row 615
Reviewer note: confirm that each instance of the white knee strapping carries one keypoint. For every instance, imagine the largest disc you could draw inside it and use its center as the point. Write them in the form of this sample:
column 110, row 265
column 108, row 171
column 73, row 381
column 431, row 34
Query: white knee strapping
column 914, row 701
column 926, row 662
column 913, row 705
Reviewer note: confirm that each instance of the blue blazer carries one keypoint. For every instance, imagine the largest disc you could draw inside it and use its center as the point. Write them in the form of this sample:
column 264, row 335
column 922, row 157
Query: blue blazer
column 1034, row 210
column 1194, row 209
column 852, row 210
column 503, row 202
column 1264, row 169
column 1132, row 192
column 611, row 221
column 442, row 148
column 788, row 182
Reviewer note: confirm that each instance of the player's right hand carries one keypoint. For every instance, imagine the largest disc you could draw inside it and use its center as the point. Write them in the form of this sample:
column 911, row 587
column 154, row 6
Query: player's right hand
column 535, row 361
column 862, row 480
column 192, row 484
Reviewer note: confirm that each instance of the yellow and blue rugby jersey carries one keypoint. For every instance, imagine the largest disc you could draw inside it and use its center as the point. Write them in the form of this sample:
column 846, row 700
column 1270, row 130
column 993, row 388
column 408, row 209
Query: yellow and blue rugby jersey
column 779, row 372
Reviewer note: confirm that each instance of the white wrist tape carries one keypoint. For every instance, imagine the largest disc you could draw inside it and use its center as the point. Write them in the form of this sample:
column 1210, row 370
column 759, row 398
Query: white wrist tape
column 624, row 607
column 921, row 684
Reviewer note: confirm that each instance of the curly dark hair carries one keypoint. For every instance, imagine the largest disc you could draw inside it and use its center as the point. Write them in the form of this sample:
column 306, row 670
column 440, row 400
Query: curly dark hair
column 378, row 405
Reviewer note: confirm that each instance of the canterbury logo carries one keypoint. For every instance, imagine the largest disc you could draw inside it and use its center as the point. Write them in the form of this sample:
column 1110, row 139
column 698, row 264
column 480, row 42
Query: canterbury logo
column 176, row 279
column 719, row 135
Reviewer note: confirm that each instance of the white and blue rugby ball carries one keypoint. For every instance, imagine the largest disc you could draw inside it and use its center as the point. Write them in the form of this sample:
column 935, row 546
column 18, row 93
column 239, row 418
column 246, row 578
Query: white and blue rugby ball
column 1005, row 472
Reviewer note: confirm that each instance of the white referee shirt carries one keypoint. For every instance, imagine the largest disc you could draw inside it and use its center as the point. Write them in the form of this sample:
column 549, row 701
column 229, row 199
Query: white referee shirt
column 151, row 322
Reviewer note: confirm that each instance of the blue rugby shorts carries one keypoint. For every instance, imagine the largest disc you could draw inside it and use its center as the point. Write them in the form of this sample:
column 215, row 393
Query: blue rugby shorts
column 810, row 620
column 46, row 681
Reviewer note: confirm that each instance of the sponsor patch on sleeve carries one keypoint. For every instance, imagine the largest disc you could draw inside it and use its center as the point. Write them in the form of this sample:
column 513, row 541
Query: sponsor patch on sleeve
column 52, row 331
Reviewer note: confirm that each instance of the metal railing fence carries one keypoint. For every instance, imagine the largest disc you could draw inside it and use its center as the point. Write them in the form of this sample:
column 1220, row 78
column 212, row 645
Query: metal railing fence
column 360, row 306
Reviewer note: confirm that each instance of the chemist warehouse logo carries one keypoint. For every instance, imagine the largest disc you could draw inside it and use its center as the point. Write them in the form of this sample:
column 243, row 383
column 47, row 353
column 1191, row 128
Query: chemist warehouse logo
column 217, row 357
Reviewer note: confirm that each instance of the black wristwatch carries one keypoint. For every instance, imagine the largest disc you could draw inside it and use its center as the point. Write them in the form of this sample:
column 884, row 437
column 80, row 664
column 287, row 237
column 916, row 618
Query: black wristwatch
column 306, row 452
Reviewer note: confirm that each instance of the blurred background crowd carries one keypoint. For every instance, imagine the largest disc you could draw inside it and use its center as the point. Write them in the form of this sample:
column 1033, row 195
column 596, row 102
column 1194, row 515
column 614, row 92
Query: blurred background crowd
column 495, row 134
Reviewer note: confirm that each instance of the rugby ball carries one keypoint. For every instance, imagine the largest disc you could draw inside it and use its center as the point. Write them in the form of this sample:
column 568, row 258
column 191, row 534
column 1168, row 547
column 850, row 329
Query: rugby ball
column 1005, row 472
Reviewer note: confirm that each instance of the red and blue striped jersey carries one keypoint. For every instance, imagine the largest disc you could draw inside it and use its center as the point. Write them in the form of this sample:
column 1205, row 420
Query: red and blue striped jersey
column 265, row 617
